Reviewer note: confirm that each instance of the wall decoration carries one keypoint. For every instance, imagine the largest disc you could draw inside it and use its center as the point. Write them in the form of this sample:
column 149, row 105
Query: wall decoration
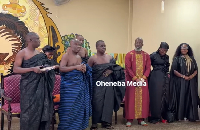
column 54, row 37
column 18, row 17
column 14, row 8
column 12, row 39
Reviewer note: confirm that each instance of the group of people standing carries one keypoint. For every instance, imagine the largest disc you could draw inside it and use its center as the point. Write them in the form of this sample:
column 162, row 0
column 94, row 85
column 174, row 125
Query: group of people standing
column 80, row 96
column 171, row 95
column 168, row 94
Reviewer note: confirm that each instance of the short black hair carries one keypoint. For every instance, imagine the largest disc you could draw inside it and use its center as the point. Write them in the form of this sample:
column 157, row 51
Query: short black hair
column 99, row 41
column 48, row 48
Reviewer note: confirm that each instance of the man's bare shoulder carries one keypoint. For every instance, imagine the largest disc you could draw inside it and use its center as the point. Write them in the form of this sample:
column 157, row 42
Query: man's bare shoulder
column 109, row 56
column 93, row 57
column 22, row 52
column 84, row 49
column 65, row 55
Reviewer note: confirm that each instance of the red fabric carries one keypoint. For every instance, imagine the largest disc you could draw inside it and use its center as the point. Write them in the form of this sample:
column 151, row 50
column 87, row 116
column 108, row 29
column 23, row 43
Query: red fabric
column 56, row 89
column 12, row 88
column 15, row 108
column 56, row 107
column 130, row 65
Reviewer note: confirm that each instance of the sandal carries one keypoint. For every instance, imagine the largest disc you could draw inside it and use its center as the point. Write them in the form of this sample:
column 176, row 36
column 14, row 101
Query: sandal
column 107, row 126
column 142, row 123
column 164, row 121
column 93, row 128
column 128, row 124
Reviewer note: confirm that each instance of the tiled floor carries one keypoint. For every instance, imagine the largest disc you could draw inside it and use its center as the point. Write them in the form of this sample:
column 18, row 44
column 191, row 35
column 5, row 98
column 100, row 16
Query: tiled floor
column 185, row 125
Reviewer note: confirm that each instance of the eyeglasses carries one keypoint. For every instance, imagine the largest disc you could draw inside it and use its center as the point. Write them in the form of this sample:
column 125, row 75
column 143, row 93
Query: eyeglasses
column 184, row 48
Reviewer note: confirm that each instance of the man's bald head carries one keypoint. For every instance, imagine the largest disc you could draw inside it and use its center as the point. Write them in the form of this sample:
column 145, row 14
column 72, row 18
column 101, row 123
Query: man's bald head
column 138, row 44
column 30, row 35
column 75, row 45
column 72, row 41
column 32, row 39
column 139, row 38
column 100, row 46
column 98, row 42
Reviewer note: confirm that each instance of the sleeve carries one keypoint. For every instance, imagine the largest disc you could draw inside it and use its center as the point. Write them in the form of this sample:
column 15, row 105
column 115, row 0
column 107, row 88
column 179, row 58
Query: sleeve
column 128, row 66
column 148, row 66
column 195, row 64
column 167, row 63
column 174, row 64
column 152, row 58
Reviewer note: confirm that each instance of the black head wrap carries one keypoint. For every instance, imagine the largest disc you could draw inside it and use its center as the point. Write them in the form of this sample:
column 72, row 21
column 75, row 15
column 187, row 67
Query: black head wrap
column 48, row 48
column 164, row 45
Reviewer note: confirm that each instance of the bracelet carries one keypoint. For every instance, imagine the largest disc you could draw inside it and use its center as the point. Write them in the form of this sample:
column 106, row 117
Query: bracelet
column 192, row 75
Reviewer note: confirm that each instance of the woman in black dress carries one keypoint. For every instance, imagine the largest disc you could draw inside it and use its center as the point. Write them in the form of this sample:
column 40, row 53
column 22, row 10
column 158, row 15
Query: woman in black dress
column 184, row 84
column 49, row 51
column 159, row 84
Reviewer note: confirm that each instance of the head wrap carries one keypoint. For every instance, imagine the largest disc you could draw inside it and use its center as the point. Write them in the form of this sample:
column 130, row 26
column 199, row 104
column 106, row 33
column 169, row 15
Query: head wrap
column 164, row 45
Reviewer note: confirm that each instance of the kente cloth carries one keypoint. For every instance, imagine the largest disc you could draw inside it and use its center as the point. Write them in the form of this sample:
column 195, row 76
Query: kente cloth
column 159, row 86
column 106, row 98
column 184, row 98
column 75, row 100
column 137, row 98
column 36, row 101
column 85, row 59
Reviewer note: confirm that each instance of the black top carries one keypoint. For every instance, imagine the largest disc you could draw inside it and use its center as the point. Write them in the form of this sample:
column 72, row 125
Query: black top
column 159, row 62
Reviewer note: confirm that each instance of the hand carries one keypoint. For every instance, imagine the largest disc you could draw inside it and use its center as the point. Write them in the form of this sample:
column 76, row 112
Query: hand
column 55, row 66
column 168, row 75
column 187, row 78
column 81, row 67
column 107, row 72
column 36, row 69
column 138, row 80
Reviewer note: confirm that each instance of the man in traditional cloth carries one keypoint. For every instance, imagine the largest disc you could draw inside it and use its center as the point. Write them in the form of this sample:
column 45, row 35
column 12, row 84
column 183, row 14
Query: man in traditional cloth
column 106, row 98
column 75, row 90
column 138, row 66
column 83, row 51
column 35, row 87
